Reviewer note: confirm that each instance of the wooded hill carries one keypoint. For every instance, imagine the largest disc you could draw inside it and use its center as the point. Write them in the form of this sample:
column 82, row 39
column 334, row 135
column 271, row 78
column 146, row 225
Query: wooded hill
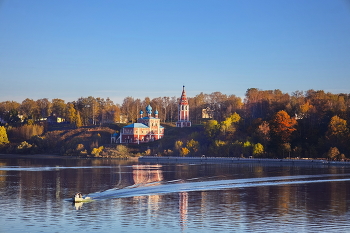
column 266, row 123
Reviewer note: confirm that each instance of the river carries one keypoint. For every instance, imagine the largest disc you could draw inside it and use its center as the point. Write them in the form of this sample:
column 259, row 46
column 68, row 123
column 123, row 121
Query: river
column 132, row 196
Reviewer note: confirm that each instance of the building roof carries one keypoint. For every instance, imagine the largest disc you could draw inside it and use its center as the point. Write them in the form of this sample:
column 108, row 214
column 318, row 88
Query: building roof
column 146, row 118
column 139, row 125
column 136, row 125
column 183, row 98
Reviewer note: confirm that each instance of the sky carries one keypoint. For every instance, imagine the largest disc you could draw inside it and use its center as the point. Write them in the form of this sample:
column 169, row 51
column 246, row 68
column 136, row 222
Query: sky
column 69, row 49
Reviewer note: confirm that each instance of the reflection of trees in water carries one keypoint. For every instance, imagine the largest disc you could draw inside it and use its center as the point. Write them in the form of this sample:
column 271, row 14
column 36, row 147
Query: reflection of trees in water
column 280, row 200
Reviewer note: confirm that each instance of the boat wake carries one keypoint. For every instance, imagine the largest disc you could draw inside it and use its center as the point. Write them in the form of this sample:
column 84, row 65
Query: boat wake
column 197, row 184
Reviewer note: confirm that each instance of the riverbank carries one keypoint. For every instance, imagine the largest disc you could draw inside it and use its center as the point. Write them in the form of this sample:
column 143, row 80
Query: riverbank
column 47, row 156
column 194, row 160
column 241, row 160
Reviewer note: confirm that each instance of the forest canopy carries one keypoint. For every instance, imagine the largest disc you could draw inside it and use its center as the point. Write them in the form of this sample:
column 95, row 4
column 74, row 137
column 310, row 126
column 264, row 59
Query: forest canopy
column 265, row 123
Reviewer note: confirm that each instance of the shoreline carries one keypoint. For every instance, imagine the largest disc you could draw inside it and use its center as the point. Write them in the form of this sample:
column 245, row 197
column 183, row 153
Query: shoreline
column 235, row 160
column 53, row 156
column 194, row 160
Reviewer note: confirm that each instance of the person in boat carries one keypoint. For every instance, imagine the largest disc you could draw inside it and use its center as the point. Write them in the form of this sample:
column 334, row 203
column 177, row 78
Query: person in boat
column 78, row 195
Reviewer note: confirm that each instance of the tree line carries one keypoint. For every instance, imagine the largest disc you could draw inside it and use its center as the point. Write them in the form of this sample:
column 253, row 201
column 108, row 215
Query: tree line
column 265, row 123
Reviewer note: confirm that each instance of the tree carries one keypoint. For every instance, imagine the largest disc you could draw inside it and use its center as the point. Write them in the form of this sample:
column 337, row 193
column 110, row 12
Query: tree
column 44, row 107
column 184, row 151
column 258, row 149
column 338, row 133
column 71, row 113
column 337, row 128
column 282, row 126
column 58, row 107
column 247, row 148
column 211, row 128
column 192, row 146
column 77, row 120
column 29, row 108
column 3, row 136
column 333, row 153
column 263, row 132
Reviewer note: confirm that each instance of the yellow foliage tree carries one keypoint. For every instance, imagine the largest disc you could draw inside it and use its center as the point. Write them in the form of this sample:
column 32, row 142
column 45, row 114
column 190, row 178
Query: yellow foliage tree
column 184, row 152
column 3, row 136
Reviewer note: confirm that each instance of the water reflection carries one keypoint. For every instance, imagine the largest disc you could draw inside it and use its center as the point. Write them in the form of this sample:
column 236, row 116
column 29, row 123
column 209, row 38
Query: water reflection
column 158, row 197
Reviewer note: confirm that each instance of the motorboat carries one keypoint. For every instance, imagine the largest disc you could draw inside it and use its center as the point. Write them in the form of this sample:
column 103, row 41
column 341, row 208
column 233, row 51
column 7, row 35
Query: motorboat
column 79, row 198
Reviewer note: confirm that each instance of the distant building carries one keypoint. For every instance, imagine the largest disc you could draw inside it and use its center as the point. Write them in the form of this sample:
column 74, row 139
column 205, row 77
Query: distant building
column 52, row 119
column 183, row 111
column 207, row 113
column 146, row 129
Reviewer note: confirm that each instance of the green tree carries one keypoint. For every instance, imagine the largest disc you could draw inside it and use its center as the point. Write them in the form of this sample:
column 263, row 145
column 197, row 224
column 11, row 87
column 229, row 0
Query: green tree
column 3, row 136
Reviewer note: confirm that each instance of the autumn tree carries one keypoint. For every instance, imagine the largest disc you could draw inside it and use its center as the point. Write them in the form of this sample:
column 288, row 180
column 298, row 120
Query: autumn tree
column 58, row 107
column 258, row 149
column 3, row 136
column 192, row 146
column 71, row 113
column 178, row 146
column 263, row 132
column 131, row 108
column 44, row 107
column 338, row 133
column 77, row 120
column 333, row 153
column 282, row 126
column 337, row 128
column 29, row 108
column 212, row 128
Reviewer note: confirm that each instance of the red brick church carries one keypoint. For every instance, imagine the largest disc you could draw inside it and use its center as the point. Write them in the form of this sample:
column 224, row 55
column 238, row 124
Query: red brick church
column 148, row 127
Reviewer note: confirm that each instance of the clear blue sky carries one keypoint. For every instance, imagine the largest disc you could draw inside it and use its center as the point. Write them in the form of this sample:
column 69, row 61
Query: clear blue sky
column 69, row 49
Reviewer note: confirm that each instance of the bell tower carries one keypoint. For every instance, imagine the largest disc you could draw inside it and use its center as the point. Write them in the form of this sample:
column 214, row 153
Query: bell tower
column 183, row 111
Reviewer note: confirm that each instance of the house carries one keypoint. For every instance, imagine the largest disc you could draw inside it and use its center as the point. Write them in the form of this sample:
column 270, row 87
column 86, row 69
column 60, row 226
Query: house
column 183, row 111
column 146, row 129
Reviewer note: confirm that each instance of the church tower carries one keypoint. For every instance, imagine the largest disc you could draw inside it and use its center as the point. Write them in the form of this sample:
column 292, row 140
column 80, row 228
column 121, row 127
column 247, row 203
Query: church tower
column 184, row 111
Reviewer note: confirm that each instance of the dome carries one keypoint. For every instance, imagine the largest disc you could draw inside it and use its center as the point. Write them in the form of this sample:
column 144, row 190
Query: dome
column 141, row 112
column 149, row 109
column 156, row 112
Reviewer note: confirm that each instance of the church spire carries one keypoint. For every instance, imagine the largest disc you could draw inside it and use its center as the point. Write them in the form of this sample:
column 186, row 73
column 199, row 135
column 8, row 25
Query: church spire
column 184, row 111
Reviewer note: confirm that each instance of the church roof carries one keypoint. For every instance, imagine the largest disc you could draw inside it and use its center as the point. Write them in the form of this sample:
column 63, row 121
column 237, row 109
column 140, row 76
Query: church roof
column 136, row 125
column 139, row 125
column 146, row 118
column 183, row 99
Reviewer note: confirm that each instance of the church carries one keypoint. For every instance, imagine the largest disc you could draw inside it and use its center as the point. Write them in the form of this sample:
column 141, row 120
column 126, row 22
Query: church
column 148, row 128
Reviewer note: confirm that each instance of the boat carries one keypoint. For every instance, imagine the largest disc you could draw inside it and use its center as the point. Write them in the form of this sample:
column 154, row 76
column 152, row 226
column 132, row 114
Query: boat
column 79, row 198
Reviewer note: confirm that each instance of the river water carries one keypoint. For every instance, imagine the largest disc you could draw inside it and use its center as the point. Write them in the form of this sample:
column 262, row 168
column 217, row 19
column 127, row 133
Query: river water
column 144, row 197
